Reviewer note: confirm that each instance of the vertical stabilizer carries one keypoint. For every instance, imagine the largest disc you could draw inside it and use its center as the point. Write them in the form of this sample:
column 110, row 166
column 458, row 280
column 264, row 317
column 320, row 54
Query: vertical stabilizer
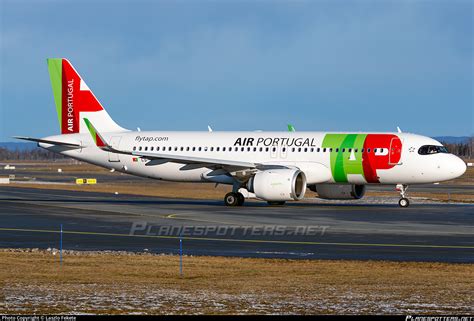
column 74, row 100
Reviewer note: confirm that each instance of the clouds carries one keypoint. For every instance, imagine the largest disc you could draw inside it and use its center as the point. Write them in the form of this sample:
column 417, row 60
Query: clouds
column 311, row 63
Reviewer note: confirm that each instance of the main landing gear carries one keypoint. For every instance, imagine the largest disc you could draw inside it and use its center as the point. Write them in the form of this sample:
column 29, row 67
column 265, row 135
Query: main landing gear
column 403, row 202
column 234, row 199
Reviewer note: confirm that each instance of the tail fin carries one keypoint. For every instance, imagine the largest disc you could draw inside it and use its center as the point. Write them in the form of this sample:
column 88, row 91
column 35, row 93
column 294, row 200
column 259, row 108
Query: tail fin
column 74, row 100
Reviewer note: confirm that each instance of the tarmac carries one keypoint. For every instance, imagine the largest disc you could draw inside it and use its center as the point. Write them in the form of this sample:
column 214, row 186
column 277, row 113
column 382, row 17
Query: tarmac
column 369, row 229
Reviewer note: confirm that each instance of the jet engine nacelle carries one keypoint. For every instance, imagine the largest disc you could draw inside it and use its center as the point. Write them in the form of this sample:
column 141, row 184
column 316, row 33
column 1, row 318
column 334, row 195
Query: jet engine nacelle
column 339, row 191
column 278, row 185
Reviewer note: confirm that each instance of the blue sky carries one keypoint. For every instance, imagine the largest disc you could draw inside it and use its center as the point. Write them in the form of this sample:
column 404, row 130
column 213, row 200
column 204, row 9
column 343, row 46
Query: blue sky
column 245, row 65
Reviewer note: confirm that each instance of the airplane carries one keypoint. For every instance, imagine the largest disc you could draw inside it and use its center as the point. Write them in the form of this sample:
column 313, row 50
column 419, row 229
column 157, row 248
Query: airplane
column 275, row 167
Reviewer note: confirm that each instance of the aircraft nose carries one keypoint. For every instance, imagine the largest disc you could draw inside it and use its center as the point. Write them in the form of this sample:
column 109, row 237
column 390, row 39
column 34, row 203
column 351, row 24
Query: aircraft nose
column 457, row 167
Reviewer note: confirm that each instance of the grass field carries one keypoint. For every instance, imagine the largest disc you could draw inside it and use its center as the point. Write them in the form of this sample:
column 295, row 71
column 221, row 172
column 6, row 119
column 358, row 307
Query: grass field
column 34, row 282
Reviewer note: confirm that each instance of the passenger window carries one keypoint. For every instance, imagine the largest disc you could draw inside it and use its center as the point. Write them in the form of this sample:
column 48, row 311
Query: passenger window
column 187, row 149
column 368, row 150
column 151, row 148
column 283, row 149
column 248, row 149
column 337, row 150
column 134, row 148
column 330, row 149
column 267, row 149
column 318, row 150
column 255, row 149
column 375, row 150
column 306, row 150
column 223, row 149
column 293, row 149
column 199, row 149
column 355, row 150
column 205, row 149
column 261, row 149
column 324, row 150
column 140, row 148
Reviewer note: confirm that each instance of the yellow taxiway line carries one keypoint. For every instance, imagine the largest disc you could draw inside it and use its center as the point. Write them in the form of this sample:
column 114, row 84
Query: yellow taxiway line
column 245, row 240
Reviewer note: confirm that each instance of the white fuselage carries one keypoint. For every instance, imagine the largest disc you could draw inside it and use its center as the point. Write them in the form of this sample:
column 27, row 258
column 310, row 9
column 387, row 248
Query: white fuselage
column 351, row 161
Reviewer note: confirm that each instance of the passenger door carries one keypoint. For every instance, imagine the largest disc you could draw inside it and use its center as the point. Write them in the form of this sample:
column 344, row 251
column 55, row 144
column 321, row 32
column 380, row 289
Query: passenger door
column 395, row 151
column 114, row 143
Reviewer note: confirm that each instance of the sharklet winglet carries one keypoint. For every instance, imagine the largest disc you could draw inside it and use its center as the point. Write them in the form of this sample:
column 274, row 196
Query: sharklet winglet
column 96, row 136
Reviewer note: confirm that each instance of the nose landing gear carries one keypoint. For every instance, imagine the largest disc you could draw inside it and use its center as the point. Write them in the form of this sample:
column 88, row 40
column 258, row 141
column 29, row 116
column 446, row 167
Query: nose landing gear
column 403, row 202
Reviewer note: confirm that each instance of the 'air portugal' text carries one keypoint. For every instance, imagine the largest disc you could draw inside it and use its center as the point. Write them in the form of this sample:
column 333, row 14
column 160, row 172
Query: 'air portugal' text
column 70, row 105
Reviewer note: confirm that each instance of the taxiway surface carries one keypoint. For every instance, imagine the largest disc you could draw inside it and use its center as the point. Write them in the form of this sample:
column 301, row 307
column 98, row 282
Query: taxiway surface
column 316, row 230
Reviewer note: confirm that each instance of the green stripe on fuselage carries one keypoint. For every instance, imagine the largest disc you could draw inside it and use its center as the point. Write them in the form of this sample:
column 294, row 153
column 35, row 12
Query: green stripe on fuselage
column 344, row 163
column 337, row 168
column 55, row 67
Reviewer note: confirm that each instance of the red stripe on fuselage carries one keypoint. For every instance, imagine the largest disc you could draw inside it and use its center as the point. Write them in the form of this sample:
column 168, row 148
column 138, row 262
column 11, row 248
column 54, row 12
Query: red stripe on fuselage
column 372, row 162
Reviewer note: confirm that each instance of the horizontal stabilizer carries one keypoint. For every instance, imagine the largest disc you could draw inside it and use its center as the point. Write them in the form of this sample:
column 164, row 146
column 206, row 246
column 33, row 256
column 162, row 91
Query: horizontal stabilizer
column 46, row 141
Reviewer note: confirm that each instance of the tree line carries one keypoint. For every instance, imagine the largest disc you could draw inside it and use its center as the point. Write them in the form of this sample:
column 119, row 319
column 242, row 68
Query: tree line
column 33, row 154
column 464, row 150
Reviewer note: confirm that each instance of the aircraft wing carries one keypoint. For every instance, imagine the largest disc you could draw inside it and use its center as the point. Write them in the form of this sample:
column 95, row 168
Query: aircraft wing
column 193, row 159
column 52, row 142
column 102, row 144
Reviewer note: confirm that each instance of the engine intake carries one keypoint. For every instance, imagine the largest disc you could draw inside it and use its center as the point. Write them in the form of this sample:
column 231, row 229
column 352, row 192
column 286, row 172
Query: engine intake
column 278, row 185
column 339, row 191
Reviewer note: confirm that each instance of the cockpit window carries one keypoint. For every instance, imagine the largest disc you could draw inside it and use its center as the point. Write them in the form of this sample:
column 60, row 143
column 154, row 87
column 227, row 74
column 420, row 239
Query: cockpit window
column 432, row 149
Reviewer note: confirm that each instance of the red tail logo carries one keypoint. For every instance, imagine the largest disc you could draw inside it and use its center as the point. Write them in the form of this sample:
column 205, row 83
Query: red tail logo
column 76, row 98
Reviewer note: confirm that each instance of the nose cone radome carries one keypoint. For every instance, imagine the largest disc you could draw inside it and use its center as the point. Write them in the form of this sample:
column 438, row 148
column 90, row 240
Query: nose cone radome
column 457, row 167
